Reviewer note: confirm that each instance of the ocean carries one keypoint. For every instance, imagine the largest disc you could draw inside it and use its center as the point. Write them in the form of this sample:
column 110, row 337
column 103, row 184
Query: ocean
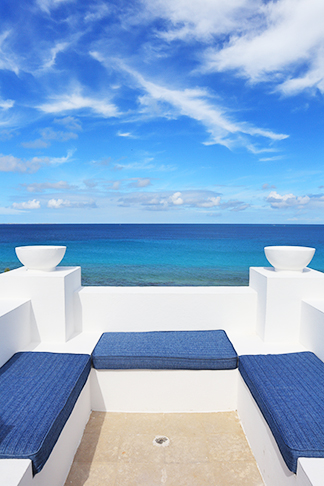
column 161, row 254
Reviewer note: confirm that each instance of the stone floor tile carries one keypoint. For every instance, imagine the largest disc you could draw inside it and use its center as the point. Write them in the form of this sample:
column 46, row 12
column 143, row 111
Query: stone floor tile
column 228, row 447
column 205, row 449
column 139, row 474
column 114, row 422
column 189, row 475
column 95, row 422
column 185, row 424
column 101, row 448
column 192, row 449
column 238, row 473
column 87, row 475
column 139, row 448
column 222, row 423
column 144, row 423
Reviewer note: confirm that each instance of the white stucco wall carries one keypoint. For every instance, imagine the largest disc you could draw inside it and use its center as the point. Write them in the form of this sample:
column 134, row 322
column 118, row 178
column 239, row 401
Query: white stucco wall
column 15, row 327
column 166, row 308
column 312, row 326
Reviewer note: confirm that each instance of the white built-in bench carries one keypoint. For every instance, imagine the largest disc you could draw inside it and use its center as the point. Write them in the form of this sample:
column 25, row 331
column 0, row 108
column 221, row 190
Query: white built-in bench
column 172, row 350
column 164, row 371
column 284, row 421
column 38, row 392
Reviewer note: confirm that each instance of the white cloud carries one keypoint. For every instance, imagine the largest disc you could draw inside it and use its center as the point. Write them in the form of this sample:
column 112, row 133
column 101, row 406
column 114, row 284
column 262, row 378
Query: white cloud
column 116, row 185
column 201, row 20
column 140, row 182
column 59, row 47
column 211, row 202
column 36, row 144
column 48, row 134
column 48, row 5
column 58, row 203
column 176, row 199
column 6, row 104
column 97, row 12
column 284, row 43
column 66, row 203
column 43, row 186
column 164, row 200
column 61, row 160
column 145, row 164
column 271, row 159
column 4, row 210
column 76, row 101
column 196, row 104
column 6, row 135
column 125, row 134
column 234, row 205
column 32, row 204
column 90, row 183
column 6, row 56
column 69, row 122
column 278, row 201
column 266, row 187
column 9, row 163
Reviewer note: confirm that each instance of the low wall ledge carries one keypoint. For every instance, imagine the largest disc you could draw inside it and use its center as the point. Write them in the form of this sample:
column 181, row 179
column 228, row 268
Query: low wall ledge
column 244, row 290
column 8, row 305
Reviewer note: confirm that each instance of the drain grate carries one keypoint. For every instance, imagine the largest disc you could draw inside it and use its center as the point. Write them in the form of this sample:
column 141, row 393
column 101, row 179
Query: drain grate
column 161, row 440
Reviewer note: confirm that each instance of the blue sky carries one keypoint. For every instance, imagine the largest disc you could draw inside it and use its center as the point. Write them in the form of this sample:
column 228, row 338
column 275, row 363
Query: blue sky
column 157, row 111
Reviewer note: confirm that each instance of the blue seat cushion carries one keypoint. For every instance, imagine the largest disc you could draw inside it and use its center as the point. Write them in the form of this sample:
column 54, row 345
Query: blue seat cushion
column 289, row 390
column 208, row 350
column 37, row 394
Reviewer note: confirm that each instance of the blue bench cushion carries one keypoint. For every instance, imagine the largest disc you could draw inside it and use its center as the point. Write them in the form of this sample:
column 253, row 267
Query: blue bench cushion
column 165, row 350
column 37, row 394
column 289, row 390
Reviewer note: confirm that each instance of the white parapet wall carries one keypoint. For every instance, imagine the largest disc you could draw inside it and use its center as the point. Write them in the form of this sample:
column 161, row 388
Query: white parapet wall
column 15, row 327
column 312, row 326
column 166, row 308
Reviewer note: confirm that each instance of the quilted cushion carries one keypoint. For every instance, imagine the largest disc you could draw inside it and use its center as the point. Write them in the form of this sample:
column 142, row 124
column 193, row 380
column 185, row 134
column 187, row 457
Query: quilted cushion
column 289, row 390
column 37, row 394
column 165, row 350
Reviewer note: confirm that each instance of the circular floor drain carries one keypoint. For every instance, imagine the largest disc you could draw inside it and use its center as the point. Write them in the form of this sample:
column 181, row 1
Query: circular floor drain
column 161, row 440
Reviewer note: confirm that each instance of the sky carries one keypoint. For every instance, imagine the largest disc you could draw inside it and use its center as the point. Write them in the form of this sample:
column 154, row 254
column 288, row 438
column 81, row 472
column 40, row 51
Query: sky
column 162, row 111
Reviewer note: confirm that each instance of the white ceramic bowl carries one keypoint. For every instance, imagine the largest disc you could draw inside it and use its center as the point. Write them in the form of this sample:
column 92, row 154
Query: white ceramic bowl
column 289, row 258
column 40, row 257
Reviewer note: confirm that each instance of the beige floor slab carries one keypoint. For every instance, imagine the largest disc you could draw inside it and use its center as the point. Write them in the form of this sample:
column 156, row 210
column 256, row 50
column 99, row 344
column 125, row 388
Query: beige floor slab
column 203, row 449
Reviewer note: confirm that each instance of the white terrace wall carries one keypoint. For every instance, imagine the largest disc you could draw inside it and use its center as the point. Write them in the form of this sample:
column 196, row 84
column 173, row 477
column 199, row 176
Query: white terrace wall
column 15, row 327
column 56, row 307
column 166, row 308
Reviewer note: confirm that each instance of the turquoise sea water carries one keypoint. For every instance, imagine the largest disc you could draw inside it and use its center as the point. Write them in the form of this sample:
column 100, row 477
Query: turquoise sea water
column 162, row 254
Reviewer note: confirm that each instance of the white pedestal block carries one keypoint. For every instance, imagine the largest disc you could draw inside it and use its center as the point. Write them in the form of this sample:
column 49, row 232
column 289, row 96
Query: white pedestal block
column 52, row 299
column 279, row 300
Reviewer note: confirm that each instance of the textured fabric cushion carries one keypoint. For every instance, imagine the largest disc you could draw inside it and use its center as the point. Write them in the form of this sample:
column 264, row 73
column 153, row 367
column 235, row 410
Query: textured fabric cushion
column 165, row 350
column 37, row 394
column 289, row 390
